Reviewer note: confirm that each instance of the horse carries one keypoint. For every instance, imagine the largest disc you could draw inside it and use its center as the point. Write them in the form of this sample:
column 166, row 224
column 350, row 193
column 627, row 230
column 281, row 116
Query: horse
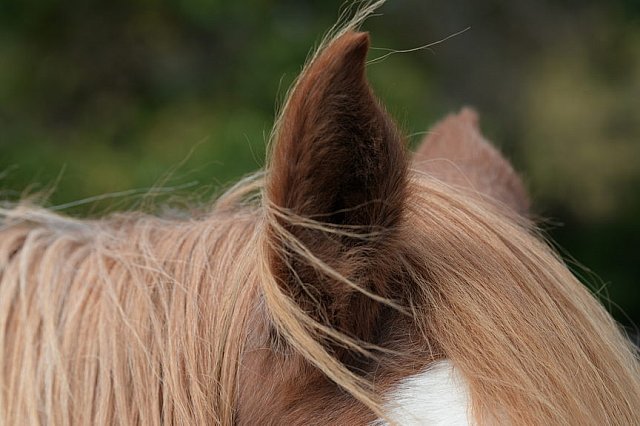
column 351, row 282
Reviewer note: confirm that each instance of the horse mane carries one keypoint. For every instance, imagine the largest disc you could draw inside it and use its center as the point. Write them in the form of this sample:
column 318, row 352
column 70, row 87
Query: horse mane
column 90, row 308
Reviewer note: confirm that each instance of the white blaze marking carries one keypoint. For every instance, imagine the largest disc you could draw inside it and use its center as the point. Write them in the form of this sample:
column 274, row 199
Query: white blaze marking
column 438, row 396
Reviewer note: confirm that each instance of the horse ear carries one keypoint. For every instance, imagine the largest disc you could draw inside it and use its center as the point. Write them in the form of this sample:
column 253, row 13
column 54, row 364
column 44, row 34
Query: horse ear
column 456, row 152
column 340, row 160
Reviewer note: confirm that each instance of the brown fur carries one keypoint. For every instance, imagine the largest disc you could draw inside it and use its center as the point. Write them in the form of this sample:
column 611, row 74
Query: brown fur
column 339, row 159
column 307, row 303
column 456, row 152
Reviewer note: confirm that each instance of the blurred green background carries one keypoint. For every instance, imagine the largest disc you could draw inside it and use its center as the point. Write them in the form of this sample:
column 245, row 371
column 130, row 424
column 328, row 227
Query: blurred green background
column 116, row 97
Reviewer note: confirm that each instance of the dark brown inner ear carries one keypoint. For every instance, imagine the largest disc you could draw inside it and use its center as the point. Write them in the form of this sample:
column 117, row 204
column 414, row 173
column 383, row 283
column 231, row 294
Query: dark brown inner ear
column 456, row 152
column 338, row 159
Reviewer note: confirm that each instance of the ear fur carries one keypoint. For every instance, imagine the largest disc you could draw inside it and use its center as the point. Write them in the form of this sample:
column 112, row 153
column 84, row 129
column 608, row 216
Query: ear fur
column 336, row 147
column 456, row 152
column 340, row 160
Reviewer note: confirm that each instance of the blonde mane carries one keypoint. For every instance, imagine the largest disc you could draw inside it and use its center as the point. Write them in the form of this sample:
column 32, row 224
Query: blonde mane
column 138, row 319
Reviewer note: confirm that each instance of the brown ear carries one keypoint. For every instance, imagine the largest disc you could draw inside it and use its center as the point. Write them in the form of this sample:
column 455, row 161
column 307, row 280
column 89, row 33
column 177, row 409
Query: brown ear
column 456, row 152
column 338, row 159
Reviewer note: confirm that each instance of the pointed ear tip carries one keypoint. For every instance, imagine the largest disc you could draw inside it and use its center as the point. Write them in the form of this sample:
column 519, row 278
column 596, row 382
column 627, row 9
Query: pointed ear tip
column 355, row 41
column 469, row 115
column 355, row 37
column 361, row 37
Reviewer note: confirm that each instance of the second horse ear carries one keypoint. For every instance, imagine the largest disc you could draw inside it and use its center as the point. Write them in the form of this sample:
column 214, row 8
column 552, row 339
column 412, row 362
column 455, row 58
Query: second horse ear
column 455, row 152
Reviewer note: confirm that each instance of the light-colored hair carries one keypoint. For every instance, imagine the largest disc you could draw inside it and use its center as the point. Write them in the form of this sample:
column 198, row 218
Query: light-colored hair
column 138, row 319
